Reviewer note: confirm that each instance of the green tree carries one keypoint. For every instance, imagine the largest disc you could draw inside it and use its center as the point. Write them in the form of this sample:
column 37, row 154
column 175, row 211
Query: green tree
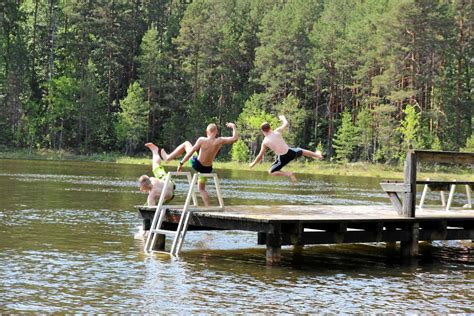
column 409, row 129
column 152, row 65
column 295, row 114
column 62, row 112
column 469, row 145
column 385, row 133
column 365, row 132
column 240, row 151
column 92, row 129
column 252, row 116
column 131, row 126
column 345, row 139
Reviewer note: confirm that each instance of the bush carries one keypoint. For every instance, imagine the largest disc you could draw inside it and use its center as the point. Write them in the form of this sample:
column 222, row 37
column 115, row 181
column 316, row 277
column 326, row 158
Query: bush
column 240, row 151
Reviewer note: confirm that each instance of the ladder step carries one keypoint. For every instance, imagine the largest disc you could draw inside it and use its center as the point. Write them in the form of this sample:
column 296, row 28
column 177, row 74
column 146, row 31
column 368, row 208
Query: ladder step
column 163, row 231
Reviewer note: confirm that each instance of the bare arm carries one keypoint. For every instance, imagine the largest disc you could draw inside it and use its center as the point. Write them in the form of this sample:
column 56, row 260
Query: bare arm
column 190, row 153
column 283, row 125
column 259, row 156
column 235, row 135
column 151, row 200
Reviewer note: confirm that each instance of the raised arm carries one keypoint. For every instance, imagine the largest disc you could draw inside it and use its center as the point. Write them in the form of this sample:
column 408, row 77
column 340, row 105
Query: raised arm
column 190, row 153
column 233, row 138
column 259, row 156
column 283, row 125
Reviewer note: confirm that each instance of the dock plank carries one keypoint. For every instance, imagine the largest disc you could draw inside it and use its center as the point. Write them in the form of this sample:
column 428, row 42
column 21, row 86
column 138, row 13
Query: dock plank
column 310, row 213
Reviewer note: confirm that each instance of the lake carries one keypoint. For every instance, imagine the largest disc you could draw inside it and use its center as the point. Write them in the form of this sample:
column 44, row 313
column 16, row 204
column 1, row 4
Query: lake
column 69, row 243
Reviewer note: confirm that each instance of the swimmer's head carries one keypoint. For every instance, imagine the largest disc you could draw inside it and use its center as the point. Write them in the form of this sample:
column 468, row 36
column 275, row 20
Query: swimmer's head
column 211, row 129
column 265, row 127
column 145, row 183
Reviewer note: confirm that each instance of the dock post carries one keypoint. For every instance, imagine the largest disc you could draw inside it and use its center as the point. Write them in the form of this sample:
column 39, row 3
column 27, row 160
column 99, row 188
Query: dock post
column 409, row 200
column 273, row 253
column 409, row 248
column 160, row 242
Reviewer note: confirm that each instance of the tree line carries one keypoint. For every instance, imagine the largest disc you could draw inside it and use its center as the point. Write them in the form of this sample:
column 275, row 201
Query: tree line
column 359, row 79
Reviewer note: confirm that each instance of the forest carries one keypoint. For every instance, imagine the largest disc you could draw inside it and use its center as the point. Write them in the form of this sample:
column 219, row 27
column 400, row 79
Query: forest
column 361, row 80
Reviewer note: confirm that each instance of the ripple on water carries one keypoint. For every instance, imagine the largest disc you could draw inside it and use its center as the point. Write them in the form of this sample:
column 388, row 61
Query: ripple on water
column 76, row 253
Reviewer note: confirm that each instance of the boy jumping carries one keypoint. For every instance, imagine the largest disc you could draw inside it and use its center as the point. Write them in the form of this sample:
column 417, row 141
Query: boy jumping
column 284, row 154
column 208, row 148
column 154, row 185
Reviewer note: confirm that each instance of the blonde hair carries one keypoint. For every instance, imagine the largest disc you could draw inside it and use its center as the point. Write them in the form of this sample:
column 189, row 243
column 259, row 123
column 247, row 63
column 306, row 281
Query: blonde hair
column 145, row 182
column 211, row 128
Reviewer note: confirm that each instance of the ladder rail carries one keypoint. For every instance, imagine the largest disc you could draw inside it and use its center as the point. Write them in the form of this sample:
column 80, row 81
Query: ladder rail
column 181, row 228
column 157, row 218
column 190, row 205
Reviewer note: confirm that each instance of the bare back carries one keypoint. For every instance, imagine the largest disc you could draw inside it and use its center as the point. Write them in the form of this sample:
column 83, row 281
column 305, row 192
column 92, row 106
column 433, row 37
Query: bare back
column 155, row 192
column 275, row 142
column 209, row 147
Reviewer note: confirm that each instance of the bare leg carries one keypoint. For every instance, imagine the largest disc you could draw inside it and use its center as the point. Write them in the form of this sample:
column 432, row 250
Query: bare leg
column 181, row 149
column 312, row 154
column 204, row 194
column 156, row 160
column 283, row 173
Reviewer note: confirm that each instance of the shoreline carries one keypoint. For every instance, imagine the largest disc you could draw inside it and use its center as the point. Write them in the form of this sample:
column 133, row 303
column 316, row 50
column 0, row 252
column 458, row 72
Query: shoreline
column 355, row 169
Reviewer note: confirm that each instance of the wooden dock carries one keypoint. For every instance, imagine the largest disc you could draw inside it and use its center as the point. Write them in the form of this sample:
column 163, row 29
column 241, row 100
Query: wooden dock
column 300, row 225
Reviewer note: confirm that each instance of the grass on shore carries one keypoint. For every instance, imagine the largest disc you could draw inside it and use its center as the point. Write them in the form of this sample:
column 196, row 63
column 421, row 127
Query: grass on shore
column 363, row 169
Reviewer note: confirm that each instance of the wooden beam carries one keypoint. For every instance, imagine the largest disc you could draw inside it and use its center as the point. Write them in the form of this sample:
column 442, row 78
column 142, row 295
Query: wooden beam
column 396, row 202
column 445, row 156
column 395, row 187
column 410, row 179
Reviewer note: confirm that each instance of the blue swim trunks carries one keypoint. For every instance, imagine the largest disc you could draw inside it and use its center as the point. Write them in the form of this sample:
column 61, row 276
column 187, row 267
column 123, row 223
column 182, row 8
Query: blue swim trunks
column 196, row 165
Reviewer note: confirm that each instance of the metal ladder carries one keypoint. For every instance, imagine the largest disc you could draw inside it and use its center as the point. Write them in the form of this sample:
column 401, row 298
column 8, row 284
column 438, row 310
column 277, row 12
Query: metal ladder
column 180, row 233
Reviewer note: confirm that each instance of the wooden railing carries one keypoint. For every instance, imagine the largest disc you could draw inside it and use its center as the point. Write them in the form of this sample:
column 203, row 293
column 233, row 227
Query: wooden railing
column 407, row 189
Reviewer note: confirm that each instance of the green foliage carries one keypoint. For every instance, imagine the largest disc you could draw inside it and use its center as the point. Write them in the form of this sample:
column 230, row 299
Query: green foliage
column 62, row 111
column 252, row 116
column 410, row 128
column 132, row 121
column 384, row 133
column 346, row 138
column 240, row 151
column 365, row 132
column 469, row 145
column 66, row 64
column 291, row 109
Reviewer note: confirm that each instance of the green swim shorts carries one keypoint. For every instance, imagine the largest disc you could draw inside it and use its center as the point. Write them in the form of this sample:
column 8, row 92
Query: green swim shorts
column 160, row 173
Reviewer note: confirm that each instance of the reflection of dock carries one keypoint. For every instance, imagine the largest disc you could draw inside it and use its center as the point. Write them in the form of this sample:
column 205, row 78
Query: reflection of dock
column 328, row 224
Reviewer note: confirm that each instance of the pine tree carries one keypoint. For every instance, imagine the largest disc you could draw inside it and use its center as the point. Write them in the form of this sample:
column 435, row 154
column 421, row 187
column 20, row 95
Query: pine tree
column 131, row 126
column 345, row 139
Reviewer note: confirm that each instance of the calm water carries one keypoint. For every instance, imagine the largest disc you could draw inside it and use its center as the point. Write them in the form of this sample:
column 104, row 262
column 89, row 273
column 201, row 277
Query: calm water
column 67, row 244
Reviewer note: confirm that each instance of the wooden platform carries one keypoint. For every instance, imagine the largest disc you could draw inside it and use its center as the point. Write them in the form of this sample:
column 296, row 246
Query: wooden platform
column 328, row 224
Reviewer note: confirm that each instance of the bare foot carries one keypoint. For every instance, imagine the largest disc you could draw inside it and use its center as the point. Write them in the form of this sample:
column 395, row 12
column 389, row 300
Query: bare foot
column 318, row 154
column 152, row 147
column 293, row 178
column 164, row 155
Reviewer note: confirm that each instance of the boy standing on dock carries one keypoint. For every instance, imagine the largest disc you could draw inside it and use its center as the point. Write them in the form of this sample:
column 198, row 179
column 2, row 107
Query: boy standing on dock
column 284, row 154
column 208, row 148
column 154, row 185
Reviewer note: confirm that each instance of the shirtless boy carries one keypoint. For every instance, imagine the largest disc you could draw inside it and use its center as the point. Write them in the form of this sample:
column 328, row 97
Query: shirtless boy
column 208, row 148
column 284, row 154
column 154, row 185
